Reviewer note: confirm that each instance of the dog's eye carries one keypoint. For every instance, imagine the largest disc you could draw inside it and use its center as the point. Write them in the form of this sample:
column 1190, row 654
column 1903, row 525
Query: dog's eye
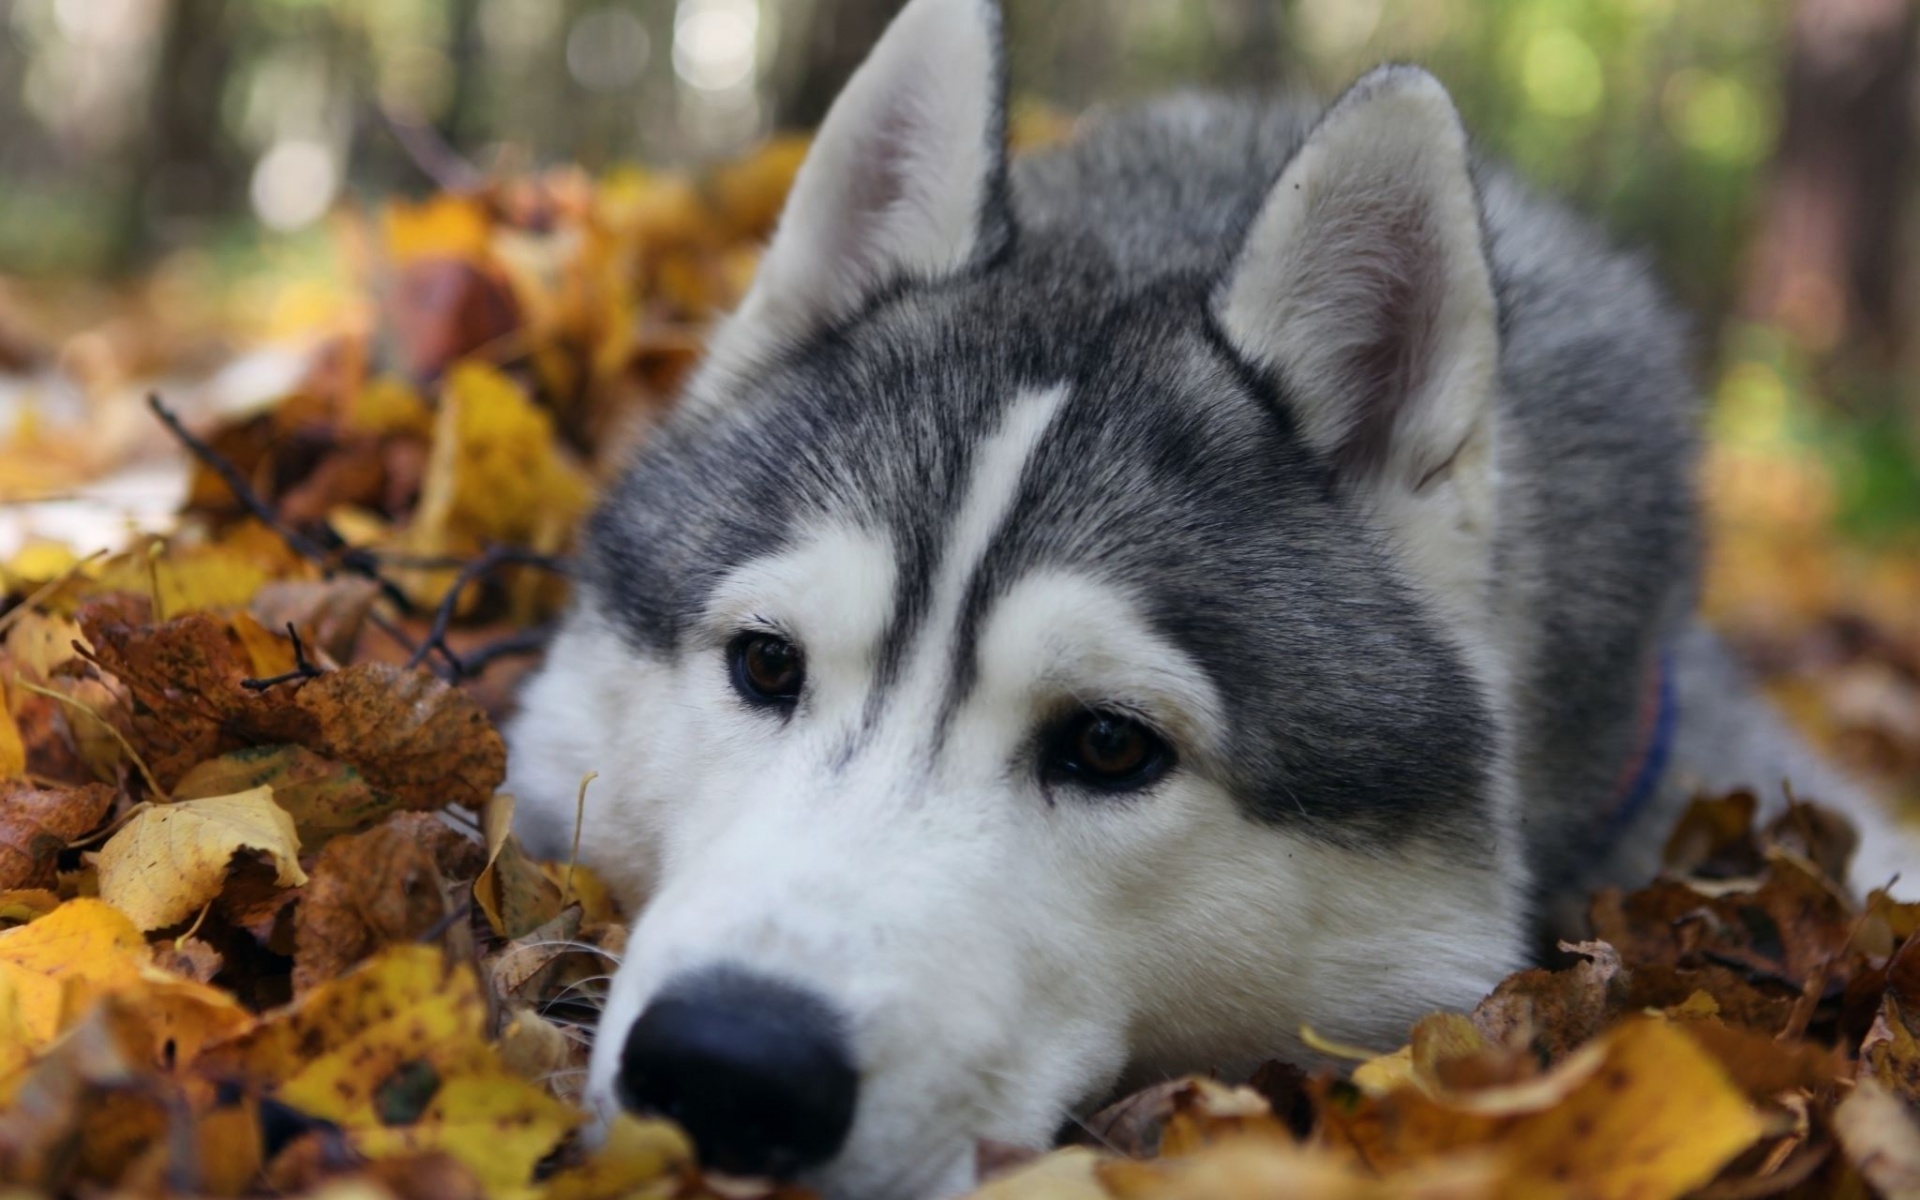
column 767, row 669
column 1106, row 750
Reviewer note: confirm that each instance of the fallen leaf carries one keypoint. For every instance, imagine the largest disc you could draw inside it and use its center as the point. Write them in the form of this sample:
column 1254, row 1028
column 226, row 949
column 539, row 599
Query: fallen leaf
column 36, row 824
column 408, row 733
column 637, row 1159
column 1643, row 1112
column 1070, row 1174
column 80, row 950
column 329, row 613
column 514, row 893
column 170, row 861
column 365, row 893
column 394, row 1053
column 325, row 798
column 1260, row 1167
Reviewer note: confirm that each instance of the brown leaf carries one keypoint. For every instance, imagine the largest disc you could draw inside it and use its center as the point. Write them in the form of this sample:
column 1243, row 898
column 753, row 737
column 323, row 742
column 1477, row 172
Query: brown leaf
column 514, row 893
column 1890, row 1053
column 365, row 893
column 328, row 613
column 409, row 734
column 1553, row 1012
column 186, row 677
column 189, row 957
column 37, row 824
column 1714, row 839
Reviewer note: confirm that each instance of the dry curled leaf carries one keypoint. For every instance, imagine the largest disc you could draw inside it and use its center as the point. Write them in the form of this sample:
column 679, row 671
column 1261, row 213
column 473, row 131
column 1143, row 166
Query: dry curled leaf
column 367, row 892
column 408, row 733
column 1642, row 1112
column 171, row 860
column 36, row 824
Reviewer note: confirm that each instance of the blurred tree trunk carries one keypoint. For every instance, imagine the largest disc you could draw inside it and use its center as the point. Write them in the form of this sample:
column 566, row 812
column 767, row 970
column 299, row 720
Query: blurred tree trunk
column 464, row 122
column 836, row 35
column 1255, row 42
column 183, row 166
column 1825, row 267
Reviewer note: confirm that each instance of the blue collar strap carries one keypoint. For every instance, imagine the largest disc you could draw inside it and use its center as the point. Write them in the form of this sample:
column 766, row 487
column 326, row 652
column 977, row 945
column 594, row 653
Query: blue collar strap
column 1659, row 717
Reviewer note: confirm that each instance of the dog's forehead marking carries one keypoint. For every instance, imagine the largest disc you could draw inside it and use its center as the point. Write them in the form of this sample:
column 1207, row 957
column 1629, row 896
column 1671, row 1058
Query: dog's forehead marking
column 992, row 487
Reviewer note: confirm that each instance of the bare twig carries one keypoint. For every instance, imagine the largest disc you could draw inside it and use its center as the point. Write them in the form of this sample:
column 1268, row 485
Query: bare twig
column 524, row 642
column 492, row 560
column 331, row 556
column 302, row 669
column 242, row 491
column 430, row 152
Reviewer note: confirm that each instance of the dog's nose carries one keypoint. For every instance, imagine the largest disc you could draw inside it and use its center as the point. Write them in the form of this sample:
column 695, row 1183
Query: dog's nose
column 756, row 1071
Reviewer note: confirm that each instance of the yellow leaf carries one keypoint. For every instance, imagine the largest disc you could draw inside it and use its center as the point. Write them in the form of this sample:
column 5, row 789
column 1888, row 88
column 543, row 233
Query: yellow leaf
column 83, row 947
column 495, row 1123
column 1639, row 1114
column 1069, row 1174
column 13, row 750
column 495, row 473
column 440, row 1032
column 38, row 642
column 445, row 226
column 636, row 1155
column 394, row 1053
column 186, row 1016
column 1266, row 1167
column 17, row 1042
column 268, row 653
column 171, row 860
column 399, row 980
column 515, row 893
column 388, row 406
column 189, row 578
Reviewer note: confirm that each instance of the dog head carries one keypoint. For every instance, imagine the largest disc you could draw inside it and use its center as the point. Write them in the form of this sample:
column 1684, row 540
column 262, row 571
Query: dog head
column 1017, row 668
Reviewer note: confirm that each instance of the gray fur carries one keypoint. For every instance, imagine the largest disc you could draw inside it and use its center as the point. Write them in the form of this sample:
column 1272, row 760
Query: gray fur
column 1176, row 471
column 1431, row 598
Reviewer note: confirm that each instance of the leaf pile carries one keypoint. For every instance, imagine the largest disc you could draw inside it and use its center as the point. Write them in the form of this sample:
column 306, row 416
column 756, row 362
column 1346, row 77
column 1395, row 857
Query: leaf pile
column 263, row 929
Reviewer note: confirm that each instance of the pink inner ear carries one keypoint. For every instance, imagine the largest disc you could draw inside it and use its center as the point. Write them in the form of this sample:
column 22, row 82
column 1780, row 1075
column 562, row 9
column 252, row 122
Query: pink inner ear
column 876, row 187
column 1381, row 267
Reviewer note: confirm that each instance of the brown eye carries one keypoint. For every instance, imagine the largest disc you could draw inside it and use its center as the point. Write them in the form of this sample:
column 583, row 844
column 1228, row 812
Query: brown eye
column 1106, row 750
column 767, row 669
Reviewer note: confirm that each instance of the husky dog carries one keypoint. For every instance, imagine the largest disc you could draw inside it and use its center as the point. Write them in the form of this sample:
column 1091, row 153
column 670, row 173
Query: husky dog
column 1095, row 615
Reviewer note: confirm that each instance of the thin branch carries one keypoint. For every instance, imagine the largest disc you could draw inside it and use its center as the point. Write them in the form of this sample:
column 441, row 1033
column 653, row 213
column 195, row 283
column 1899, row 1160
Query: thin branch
column 492, row 560
column 242, row 491
column 519, row 644
column 432, row 154
column 335, row 556
column 302, row 669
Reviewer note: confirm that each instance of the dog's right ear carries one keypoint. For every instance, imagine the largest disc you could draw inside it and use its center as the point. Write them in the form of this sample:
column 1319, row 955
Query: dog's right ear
column 906, row 179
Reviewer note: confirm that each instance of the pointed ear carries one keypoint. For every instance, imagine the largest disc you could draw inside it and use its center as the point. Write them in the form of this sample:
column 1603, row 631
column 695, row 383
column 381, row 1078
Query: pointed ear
column 1363, row 287
column 906, row 178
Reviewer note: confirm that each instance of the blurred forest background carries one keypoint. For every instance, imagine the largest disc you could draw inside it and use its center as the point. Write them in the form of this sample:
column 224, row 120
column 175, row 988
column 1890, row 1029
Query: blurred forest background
column 1762, row 149
column 183, row 179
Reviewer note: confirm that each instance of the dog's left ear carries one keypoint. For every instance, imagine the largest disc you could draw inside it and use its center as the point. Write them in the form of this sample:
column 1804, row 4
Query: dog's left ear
column 906, row 178
column 1363, row 291
column 1363, row 285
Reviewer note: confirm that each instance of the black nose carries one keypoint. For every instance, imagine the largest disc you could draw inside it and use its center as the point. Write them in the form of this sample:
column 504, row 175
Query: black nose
column 756, row 1071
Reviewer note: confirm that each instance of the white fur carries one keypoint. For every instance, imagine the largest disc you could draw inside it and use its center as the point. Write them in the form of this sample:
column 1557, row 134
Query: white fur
column 892, row 187
column 1002, row 953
